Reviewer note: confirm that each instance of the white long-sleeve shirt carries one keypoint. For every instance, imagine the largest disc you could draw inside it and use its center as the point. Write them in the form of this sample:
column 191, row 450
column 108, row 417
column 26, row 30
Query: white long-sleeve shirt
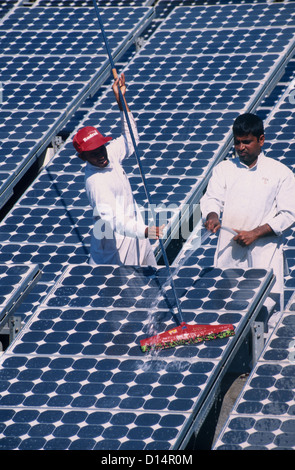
column 118, row 235
column 248, row 198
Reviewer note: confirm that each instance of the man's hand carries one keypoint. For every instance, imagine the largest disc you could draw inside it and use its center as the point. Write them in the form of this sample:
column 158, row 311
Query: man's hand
column 246, row 237
column 212, row 222
column 120, row 83
column 154, row 232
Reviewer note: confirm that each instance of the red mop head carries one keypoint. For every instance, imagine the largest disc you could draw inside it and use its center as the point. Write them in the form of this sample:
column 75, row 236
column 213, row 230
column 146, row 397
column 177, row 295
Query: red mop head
column 186, row 334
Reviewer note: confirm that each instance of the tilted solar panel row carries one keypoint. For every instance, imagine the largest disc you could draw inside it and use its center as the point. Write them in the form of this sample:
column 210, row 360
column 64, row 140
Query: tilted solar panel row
column 89, row 3
column 263, row 417
column 53, row 400
column 51, row 60
column 75, row 377
column 51, row 223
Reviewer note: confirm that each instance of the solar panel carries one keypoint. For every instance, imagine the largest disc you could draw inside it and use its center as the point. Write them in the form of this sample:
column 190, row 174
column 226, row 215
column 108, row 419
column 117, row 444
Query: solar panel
column 234, row 15
column 75, row 377
column 263, row 416
column 51, row 60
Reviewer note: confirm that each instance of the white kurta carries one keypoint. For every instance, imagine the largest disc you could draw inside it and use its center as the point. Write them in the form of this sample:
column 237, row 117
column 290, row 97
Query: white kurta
column 118, row 230
column 248, row 198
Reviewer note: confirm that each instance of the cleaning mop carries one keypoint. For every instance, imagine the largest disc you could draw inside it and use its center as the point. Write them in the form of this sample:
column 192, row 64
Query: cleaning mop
column 188, row 334
column 182, row 329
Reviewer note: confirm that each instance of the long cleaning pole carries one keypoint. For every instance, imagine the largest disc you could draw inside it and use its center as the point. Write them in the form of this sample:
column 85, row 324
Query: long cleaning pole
column 115, row 75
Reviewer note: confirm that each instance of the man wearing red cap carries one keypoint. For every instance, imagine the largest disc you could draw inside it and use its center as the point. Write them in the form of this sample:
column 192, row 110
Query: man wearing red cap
column 119, row 234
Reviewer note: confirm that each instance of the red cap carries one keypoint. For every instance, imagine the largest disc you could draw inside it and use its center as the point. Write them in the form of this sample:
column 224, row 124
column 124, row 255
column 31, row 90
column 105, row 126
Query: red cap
column 88, row 138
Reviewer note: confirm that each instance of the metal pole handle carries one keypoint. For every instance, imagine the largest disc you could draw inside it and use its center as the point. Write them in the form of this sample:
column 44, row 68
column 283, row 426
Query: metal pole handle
column 115, row 75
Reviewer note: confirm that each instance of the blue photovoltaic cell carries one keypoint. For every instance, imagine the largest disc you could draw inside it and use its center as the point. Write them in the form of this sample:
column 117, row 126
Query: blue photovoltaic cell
column 51, row 60
column 259, row 433
column 20, row 132
column 263, row 416
column 119, row 299
column 48, row 224
column 129, row 289
column 75, row 377
column 51, row 258
column 56, row 43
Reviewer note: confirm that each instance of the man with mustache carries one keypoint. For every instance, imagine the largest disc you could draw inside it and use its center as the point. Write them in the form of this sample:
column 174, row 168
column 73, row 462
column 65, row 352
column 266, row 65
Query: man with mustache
column 256, row 196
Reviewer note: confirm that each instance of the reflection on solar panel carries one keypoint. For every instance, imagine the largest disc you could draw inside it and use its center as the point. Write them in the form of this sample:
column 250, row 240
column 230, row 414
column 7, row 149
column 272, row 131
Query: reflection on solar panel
column 15, row 282
column 75, row 378
column 263, row 417
column 51, row 60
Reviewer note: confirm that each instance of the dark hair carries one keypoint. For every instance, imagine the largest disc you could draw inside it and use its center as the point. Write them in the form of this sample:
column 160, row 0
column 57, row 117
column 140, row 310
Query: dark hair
column 248, row 124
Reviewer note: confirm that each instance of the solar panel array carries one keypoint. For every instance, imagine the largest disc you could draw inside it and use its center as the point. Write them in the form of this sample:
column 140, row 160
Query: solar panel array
column 51, row 60
column 75, row 377
column 52, row 222
column 164, row 7
column 263, row 416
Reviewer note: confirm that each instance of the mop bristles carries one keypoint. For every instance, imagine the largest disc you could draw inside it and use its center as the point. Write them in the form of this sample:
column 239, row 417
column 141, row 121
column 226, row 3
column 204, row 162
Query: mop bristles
column 186, row 334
